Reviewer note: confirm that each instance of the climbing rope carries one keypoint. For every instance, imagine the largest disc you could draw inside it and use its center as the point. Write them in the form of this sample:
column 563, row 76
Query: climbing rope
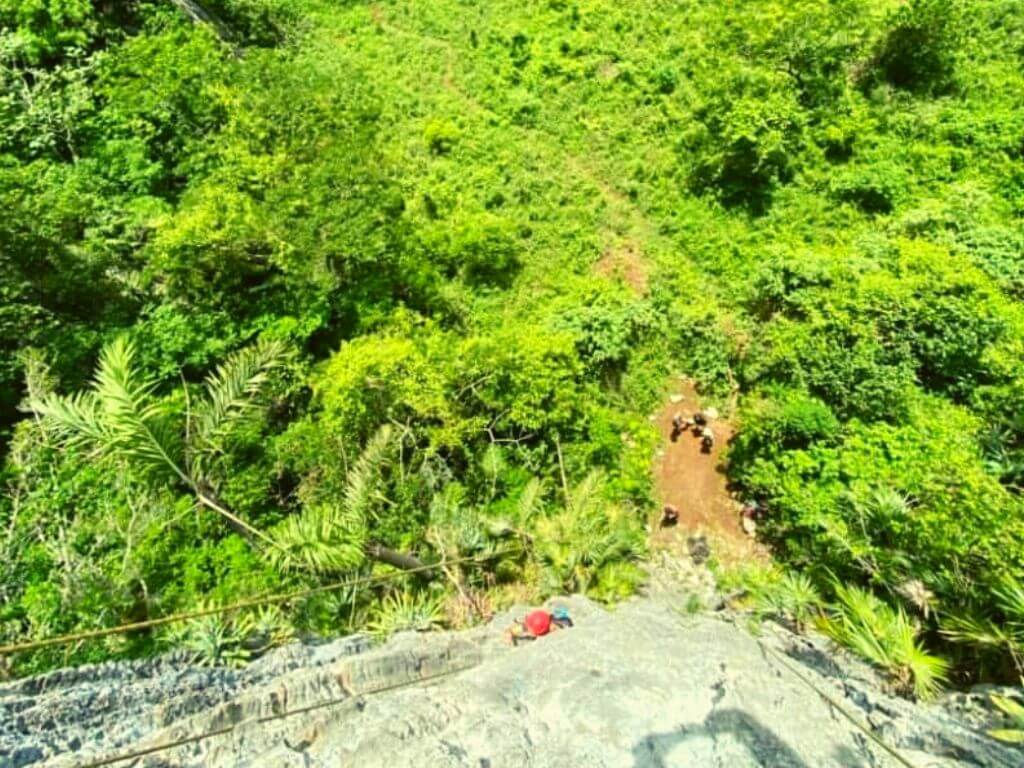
column 249, row 603
column 351, row 696
column 836, row 705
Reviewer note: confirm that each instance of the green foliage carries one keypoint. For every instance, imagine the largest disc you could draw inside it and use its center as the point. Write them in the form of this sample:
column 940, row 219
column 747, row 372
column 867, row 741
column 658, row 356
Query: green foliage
column 997, row 627
column 748, row 135
column 440, row 136
column 404, row 612
column 121, row 417
column 582, row 548
column 330, row 533
column 919, row 51
column 1015, row 712
column 794, row 597
column 499, row 230
column 886, row 637
column 213, row 641
column 40, row 31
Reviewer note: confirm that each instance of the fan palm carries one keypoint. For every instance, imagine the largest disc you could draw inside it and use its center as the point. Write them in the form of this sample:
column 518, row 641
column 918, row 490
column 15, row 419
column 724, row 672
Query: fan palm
column 1004, row 635
column 886, row 637
column 793, row 597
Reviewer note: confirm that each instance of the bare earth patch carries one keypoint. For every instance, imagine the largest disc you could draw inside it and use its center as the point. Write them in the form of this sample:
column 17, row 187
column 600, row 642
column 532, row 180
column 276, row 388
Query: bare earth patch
column 625, row 262
column 695, row 483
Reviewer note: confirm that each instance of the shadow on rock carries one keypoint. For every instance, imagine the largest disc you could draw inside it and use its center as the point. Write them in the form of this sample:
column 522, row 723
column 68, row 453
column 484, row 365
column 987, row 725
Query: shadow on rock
column 762, row 745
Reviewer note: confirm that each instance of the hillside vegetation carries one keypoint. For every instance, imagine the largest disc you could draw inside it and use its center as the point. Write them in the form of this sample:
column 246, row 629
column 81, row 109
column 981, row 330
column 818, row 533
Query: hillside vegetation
column 370, row 284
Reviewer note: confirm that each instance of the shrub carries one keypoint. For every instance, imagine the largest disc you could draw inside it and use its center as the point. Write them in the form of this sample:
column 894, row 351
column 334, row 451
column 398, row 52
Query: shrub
column 955, row 527
column 886, row 637
column 746, row 137
column 440, row 135
column 922, row 44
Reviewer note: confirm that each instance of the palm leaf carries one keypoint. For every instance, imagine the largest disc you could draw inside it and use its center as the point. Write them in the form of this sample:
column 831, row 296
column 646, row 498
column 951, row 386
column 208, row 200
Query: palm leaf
column 231, row 393
column 119, row 416
column 1016, row 712
column 75, row 420
column 361, row 480
column 1010, row 597
column 586, row 493
column 886, row 637
column 530, row 501
column 1009, row 707
column 321, row 539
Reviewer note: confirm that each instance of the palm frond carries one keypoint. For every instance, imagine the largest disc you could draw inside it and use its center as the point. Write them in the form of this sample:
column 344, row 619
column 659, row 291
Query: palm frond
column 530, row 501
column 231, row 393
column 361, row 480
column 404, row 611
column 586, row 493
column 119, row 416
column 321, row 539
column 212, row 641
column 794, row 597
column 76, row 420
column 39, row 379
column 888, row 503
column 886, row 637
column 1009, row 596
column 976, row 631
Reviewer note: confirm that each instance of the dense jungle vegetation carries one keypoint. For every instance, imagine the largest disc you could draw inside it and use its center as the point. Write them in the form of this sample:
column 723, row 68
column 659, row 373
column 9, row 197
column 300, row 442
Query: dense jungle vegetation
column 329, row 287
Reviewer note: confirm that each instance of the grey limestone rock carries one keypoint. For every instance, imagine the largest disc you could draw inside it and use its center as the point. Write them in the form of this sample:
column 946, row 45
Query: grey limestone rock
column 644, row 685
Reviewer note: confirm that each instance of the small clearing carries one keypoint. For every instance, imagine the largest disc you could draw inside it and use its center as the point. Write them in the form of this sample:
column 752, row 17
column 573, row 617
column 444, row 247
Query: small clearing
column 625, row 262
column 695, row 483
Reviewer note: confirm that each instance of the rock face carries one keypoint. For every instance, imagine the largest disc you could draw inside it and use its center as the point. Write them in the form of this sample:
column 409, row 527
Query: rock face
column 644, row 685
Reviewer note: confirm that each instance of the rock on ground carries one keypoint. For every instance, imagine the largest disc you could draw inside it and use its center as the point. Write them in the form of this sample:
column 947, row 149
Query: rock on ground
column 642, row 686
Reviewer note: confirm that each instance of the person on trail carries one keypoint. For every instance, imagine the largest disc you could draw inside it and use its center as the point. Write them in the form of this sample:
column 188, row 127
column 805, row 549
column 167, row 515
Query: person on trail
column 669, row 515
column 677, row 426
column 707, row 439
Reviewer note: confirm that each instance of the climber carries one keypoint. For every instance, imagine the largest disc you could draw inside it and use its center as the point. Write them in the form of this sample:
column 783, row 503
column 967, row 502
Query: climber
column 560, row 618
column 537, row 624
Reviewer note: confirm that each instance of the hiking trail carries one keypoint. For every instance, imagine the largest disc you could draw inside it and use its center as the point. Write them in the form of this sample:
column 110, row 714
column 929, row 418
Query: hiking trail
column 695, row 483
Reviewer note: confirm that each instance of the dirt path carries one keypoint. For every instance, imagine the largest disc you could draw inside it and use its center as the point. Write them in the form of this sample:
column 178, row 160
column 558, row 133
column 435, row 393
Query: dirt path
column 695, row 483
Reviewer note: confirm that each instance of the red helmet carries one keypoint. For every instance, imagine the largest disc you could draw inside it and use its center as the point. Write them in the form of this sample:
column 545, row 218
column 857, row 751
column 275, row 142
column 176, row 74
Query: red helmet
column 538, row 623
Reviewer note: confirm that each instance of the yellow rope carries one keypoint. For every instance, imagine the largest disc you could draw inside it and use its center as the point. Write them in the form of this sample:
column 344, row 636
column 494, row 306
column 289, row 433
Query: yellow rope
column 249, row 603
column 836, row 705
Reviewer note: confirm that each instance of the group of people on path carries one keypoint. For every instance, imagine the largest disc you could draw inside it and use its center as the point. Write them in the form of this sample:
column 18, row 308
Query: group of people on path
column 699, row 425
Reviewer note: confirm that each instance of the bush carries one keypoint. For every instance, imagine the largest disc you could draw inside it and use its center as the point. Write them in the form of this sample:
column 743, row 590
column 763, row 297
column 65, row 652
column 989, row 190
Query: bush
column 922, row 45
column 746, row 137
column 955, row 526
column 886, row 637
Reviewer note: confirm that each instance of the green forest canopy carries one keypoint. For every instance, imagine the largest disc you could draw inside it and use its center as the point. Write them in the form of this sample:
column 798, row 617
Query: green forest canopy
column 412, row 275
